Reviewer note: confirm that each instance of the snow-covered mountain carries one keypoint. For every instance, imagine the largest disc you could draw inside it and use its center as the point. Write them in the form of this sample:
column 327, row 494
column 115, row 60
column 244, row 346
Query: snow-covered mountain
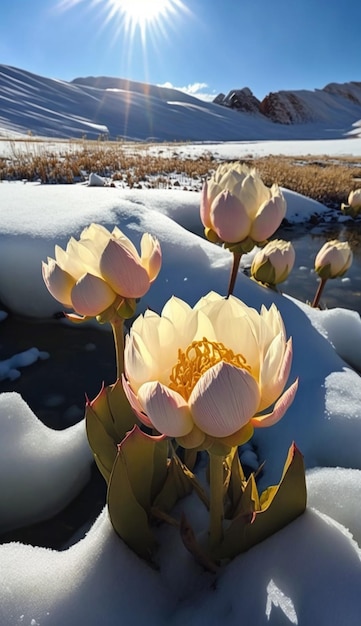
column 118, row 108
column 337, row 102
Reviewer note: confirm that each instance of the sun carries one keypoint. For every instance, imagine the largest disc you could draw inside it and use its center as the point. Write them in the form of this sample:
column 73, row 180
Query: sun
column 144, row 14
column 132, row 20
column 142, row 11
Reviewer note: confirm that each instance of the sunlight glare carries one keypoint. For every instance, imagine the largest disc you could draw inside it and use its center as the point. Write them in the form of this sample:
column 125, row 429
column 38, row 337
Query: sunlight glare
column 141, row 10
column 144, row 14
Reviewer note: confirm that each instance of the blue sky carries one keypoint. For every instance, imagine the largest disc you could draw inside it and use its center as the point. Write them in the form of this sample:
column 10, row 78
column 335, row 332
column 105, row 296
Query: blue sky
column 217, row 45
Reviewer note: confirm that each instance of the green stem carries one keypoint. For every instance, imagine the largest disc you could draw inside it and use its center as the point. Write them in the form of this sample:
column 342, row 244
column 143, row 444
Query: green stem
column 118, row 334
column 232, row 279
column 319, row 292
column 216, row 511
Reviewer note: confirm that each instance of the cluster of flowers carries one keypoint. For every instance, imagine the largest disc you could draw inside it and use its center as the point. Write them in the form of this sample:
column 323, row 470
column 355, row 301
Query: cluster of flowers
column 200, row 378
column 240, row 212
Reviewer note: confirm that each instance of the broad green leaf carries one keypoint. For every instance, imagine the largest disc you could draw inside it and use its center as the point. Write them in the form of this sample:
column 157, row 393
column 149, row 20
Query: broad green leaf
column 123, row 417
column 139, row 471
column 100, row 406
column 128, row 517
column 108, row 418
column 102, row 446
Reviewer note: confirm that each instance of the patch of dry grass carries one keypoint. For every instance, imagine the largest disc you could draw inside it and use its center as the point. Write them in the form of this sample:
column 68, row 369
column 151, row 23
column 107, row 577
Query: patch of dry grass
column 326, row 179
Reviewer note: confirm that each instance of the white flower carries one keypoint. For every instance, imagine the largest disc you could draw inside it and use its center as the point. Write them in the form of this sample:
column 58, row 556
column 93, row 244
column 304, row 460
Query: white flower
column 209, row 372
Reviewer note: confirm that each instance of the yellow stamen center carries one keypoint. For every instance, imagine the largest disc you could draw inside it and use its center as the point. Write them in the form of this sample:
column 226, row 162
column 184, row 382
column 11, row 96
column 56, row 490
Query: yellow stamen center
column 199, row 357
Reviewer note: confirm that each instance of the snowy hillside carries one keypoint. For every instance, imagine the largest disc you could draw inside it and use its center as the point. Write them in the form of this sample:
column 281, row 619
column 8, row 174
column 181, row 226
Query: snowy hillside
column 31, row 104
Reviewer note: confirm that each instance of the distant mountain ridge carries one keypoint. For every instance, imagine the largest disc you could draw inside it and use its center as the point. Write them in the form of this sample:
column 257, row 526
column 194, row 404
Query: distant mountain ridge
column 297, row 107
column 120, row 108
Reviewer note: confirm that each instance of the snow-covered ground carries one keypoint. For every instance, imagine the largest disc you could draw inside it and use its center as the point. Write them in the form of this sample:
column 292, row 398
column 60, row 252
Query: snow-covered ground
column 308, row 573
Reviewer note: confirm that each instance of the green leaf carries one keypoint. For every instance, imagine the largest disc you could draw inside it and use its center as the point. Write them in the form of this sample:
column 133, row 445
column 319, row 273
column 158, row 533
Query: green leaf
column 139, row 471
column 122, row 415
column 278, row 506
column 108, row 418
column 101, row 444
column 248, row 502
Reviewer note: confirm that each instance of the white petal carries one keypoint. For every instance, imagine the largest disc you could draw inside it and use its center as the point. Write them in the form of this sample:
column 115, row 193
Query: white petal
column 233, row 324
column 176, row 310
column 124, row 241
column 95, row 232
column 223, row 400
column 58, row 282
column 140, row 365
column 151, row 255
column 184, row 320
column 166, row 409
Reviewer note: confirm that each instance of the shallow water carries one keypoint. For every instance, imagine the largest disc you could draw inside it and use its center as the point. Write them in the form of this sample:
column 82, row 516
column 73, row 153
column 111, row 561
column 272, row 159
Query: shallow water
column 302, row 283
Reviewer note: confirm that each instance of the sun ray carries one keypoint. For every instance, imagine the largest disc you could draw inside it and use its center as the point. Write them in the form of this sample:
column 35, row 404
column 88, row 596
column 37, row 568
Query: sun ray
column 148, row 17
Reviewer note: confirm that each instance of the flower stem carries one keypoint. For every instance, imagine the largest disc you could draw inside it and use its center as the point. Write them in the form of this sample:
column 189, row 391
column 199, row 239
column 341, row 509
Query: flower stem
column 319, row 292
column 216, row 511
column 117, row 324
column 232, row 279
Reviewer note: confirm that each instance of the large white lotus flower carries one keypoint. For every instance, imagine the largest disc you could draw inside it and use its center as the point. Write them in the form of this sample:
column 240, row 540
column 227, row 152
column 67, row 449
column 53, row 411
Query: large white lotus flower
column 237, row 205
column 334, row 259
column 101, row 268
column 208, row 373
column 273, row 263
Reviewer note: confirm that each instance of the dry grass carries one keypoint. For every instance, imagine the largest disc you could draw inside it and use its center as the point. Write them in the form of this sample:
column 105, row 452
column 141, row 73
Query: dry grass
column 130, row 165
column 323, row 179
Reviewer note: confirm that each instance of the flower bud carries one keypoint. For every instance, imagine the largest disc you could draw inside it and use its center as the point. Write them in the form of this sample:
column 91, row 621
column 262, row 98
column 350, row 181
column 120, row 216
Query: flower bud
column 273, row 263
column 334, row 259
column 353, row 208
column 354, row 199
column 236, row 205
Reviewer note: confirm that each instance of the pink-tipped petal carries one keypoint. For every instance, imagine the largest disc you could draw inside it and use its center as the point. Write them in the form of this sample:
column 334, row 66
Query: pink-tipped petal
column 268, row 218
column 280, row 408
column 135, row 404
column 224, row 399
column 229, row 217
column 91, row 295
column 122, row 271
column 166, row 408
